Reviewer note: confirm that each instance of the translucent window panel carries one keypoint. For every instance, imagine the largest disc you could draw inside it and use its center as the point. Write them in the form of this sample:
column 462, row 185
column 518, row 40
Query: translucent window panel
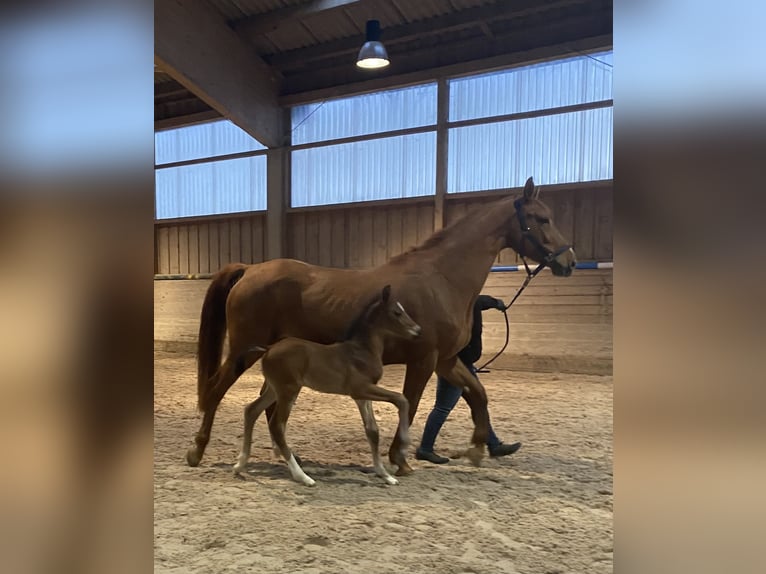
column 562, row 148
column 541, row 86
column 366, row 114
column 212, row 188
column 201, row 141
column 388, row 168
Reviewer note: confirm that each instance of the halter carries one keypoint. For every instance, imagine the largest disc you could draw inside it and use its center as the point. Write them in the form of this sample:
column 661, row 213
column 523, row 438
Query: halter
column 526, row 235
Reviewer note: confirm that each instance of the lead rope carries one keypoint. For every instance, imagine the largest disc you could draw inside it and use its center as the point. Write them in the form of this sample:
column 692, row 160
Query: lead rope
column 530, row 275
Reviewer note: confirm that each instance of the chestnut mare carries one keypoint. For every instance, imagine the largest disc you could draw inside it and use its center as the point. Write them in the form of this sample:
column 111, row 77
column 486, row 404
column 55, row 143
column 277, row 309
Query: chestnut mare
column 351, row 367
column 438, row 282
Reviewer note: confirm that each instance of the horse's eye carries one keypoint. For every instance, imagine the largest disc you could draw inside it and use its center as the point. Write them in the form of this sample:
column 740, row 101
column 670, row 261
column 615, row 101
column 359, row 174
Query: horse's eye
column 543, row 220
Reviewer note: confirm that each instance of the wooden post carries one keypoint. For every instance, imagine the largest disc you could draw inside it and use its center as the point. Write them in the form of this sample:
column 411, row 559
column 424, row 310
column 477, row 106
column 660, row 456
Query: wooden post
column 278, row 191
column 442, row 151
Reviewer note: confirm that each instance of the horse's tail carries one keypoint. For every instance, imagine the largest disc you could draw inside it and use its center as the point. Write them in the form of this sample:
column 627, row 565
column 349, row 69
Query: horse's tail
column 212, row 328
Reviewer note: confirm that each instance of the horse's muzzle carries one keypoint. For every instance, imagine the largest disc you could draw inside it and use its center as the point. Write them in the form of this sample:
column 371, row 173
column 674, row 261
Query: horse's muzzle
column 563, row 264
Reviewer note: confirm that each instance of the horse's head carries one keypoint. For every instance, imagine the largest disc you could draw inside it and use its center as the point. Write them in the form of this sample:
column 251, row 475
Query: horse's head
column 390, row 317
column 534, row 235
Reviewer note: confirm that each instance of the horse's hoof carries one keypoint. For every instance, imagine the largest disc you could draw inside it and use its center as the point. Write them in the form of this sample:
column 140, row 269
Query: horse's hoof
column 193, row 457
column 390, row 480
column 403, row 470
column 475, row 454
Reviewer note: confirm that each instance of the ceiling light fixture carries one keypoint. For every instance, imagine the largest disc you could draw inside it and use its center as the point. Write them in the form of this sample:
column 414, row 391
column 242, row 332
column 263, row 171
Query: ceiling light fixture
column 373, row 54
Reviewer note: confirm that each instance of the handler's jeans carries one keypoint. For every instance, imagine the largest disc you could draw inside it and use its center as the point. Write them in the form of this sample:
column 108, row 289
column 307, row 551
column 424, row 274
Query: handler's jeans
column 446, row 398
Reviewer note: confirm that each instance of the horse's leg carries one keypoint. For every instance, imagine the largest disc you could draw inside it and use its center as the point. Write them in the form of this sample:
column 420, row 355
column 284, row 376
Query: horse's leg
column 277, row 427
column 252, row 412
column 371, row 392
column 373, row 435
column 457, row 374
column 414, row 382
column 226, row 375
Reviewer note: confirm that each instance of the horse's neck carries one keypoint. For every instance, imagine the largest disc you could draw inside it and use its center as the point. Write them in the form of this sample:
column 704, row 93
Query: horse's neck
column 466, row 255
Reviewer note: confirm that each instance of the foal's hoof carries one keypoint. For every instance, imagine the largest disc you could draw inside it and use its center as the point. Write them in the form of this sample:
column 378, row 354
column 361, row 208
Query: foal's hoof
column 403, row 470
column 390, row 480
column 193, row 457
column 475, row 454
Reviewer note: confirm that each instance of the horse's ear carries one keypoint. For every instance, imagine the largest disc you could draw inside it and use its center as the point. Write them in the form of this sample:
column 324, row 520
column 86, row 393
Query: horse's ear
column 386, row 293
column 529, row 189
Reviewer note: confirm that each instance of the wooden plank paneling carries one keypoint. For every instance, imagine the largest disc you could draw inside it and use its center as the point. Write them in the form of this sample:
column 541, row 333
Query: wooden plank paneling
column 224, row 251
column 297, row 227
column 312, row 238
column 183, row 248
column 354, row 241
column 338, row 253
column 365, row 237
column 603, row 238
column 173, row 250
column 563, row 216
column 547, row 335
column 584, row 225
column 194, row 248
column 425, row 222
column 259, row 239
column 379, row 237
column 163, row 250
column 235, row 250
column 325, row 238
column 409, row 227
column 246, row 240
column 213, row 242
column 203, row 231
column 394, row 231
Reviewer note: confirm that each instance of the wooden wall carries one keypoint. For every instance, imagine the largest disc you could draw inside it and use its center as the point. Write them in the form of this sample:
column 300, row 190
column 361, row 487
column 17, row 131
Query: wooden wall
column 358, row 237
column 364, row 236
column 204, row 245
column 557, row 325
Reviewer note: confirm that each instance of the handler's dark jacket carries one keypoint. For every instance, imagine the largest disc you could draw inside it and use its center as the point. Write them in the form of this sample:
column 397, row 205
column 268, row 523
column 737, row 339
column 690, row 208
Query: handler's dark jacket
column 471, row 353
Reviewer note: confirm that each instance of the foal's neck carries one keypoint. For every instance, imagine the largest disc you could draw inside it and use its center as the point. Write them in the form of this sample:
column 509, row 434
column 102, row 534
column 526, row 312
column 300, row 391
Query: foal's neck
column 369, row 339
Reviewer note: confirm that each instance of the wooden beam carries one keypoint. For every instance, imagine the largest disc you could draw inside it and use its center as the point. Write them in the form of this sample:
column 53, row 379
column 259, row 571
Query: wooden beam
column 278, row 182
column 197, row 49
column 475, row 66
column 303, row 57
column 442, row 151
column 187, row 120
column 407, row 59
column 277, row 198
column 269, row 21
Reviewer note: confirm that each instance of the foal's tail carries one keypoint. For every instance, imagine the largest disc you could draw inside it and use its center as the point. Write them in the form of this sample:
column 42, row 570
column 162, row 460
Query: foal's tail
column 212, row 328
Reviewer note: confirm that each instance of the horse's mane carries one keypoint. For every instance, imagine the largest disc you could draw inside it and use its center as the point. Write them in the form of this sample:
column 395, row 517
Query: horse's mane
column 361, row 320
column 443, row 234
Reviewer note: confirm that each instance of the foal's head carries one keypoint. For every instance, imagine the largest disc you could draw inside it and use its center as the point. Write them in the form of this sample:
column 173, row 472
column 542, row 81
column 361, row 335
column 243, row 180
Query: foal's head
column 534, row 234
column 386, row 315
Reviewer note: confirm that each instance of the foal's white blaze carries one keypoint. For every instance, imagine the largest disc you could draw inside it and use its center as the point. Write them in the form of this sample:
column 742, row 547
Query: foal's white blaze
column 400, row 307
column 297, row 472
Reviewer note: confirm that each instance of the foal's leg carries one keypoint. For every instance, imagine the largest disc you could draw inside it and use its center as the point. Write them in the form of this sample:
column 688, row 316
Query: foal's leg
column 371, row 392
column 252, row 412
column 277, row 424
column 415, row 381
column 371, row 430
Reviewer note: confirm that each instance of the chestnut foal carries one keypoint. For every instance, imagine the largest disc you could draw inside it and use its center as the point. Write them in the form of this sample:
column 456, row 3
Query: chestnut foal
column 351, row 367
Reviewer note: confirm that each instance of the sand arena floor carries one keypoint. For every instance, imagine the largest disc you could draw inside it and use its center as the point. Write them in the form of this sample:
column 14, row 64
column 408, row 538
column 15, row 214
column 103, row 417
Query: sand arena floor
column 547, row 509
